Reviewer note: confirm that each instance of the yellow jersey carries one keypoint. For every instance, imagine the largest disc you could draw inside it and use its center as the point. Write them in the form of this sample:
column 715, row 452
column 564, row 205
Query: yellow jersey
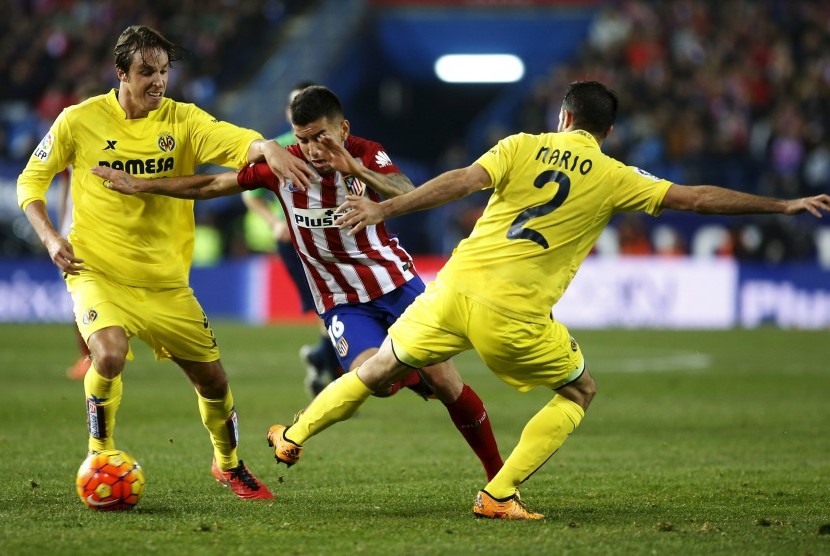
column 553, row 195
column 139, row 240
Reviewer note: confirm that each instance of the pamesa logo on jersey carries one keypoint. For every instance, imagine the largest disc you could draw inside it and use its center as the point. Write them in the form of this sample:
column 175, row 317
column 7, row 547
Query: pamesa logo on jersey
column 166, row 142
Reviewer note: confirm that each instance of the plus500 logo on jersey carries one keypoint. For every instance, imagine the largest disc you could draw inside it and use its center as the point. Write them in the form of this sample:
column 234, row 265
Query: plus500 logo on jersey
column 316, row 218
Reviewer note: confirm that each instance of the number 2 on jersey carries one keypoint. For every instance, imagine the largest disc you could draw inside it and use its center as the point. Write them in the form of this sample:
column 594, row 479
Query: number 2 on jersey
column 517, row 229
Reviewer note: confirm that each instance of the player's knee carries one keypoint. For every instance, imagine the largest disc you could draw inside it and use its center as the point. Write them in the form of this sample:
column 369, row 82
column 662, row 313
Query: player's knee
column 589, row 390
column 580, row 391
column 109, row 362
column 444, row 380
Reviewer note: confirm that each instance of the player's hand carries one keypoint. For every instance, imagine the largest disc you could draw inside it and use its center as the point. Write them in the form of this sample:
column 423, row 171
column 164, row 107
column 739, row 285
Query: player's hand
column 63, row 255
column 814, row 205
column 337, row 156
column 118, row 180
column 286, row 166
column 359, row 213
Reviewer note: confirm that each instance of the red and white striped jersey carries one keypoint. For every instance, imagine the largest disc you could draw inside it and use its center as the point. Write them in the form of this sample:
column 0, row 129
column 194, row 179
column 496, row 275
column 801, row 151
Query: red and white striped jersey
column 340, row 269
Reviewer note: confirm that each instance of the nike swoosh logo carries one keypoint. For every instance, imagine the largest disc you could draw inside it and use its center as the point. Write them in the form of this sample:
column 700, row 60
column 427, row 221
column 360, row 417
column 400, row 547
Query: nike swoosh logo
column 92, row 502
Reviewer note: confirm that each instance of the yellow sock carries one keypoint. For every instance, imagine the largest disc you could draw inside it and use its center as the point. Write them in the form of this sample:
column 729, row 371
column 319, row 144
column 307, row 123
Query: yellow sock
column 103, row 396
column 219, row 418
column 337, row 402
column 542, row 436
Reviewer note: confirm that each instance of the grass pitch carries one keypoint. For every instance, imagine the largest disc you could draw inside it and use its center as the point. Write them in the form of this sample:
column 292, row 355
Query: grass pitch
column 697, row 443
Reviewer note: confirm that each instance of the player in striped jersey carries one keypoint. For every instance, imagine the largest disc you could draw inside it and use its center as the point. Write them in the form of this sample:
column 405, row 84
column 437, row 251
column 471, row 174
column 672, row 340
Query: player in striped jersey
column 361, row 283
column 320, row 360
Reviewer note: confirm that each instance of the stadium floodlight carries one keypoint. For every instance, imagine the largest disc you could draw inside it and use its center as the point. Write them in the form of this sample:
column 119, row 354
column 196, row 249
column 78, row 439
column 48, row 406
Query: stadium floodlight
column 479, row 68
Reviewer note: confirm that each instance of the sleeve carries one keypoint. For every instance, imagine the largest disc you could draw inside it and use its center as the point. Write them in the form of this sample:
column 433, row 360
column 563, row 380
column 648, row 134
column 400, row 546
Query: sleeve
column 218, row 142
column 52, row 155
column 639, row 191
column 379, row 160
column 254, row 176
column 497, row 160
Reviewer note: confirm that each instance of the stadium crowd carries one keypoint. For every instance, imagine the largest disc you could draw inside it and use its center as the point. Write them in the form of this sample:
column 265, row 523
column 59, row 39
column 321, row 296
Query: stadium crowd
column 54, row 52
column 732, row 93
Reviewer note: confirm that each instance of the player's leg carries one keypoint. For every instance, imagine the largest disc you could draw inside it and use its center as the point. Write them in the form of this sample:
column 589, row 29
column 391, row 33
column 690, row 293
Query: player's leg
column 342, row 398
column 467, row 413
column 356, row 330
column 216, row 407
column 103, row 387
column 181, row 331
column 430, row 330
column 550, row 357
column 543, row 435
column 104, row 320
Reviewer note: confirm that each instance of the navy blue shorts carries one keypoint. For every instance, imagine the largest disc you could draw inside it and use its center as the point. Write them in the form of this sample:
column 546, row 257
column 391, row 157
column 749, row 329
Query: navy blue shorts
column 356, row 327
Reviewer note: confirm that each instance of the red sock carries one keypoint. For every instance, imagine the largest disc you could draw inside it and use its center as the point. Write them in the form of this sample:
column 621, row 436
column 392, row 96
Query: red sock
column 472, row 421
column 411, row 379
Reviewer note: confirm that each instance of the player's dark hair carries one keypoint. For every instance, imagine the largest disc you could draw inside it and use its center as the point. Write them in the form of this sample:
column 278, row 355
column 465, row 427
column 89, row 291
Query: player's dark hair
column 592, row 105
column 295, row 90
column 140, row 38
column 313, row 103
column 303, row 85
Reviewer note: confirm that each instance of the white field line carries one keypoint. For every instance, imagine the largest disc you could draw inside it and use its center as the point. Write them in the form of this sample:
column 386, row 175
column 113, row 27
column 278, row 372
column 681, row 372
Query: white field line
column 680, row 361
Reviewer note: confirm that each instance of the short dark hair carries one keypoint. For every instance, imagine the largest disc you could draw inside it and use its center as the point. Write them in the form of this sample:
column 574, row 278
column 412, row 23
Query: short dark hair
column 303, row 85
column 295, row 90
column 138, row 38
column 592, row 105
column 313, row 103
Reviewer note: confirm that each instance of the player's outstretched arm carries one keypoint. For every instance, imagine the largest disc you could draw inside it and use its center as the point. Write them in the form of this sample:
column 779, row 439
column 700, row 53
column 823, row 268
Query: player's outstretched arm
column 710, row 199
column 440, row 190
column 199, row 186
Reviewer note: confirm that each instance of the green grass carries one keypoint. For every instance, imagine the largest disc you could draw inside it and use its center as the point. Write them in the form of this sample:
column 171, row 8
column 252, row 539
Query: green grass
column 697, row 443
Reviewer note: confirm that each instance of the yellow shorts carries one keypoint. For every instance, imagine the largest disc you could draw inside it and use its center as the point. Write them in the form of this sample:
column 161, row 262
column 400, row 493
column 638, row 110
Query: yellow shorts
column 442, row 322
column 171, row 321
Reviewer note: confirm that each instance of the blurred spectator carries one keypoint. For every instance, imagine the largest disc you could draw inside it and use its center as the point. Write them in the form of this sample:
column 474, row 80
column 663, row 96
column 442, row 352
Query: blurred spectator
column 633, row 236
column 51, row 48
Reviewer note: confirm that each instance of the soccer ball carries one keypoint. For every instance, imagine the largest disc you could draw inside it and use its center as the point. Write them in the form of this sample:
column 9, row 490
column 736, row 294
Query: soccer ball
column 110, row 480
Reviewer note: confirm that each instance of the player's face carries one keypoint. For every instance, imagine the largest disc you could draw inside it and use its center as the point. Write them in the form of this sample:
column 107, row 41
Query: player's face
column 142, row 88
column 308, row 138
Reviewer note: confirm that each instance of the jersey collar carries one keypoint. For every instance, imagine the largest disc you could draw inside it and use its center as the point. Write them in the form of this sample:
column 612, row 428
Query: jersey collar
column 586, row 134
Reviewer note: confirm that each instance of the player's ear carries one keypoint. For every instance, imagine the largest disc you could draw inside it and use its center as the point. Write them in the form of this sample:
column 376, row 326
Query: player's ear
column 121, row 74
column 567, row 118
column 344, row 130
column 608, row 131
